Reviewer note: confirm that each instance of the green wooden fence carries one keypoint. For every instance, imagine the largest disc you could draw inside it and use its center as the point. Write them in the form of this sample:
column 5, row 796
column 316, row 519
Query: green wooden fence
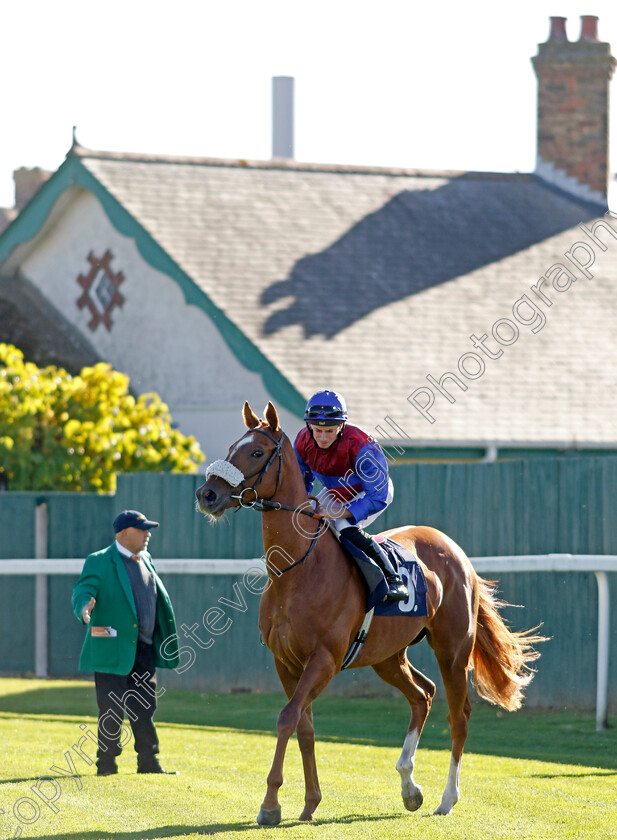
column 518, row 507
column 538, row 506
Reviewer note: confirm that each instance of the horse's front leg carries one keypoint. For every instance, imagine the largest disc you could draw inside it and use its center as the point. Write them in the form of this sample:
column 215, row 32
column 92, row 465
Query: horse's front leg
column 306, row 742
column 270, row 811
column 296, row 714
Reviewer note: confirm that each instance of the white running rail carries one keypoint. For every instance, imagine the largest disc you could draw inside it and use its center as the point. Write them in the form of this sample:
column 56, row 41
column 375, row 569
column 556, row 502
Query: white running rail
column 599, row 564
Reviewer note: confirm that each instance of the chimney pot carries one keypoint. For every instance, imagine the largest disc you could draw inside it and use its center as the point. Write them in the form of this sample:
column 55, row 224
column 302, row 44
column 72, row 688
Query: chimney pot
column 589, row 28
column 558, row 29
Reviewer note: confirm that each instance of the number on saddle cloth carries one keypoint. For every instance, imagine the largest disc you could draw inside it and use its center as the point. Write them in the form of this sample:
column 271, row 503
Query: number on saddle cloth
column 405, row 564
column 410, row 570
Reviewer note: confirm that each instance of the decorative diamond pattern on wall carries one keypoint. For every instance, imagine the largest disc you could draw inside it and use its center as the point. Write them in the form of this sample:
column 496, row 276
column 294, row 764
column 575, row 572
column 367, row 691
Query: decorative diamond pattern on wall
column 100, row 287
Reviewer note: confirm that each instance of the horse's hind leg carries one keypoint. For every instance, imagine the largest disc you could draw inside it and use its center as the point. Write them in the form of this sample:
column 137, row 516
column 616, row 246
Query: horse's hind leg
column 419, row 691
column 459, row 711
column 452, row 646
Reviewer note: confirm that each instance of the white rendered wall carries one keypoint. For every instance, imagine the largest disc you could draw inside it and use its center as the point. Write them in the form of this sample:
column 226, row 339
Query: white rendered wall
column 159, row 341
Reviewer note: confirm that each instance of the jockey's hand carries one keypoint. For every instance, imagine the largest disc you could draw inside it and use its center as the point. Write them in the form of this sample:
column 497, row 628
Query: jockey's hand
column 319, row 512
column 331, row 511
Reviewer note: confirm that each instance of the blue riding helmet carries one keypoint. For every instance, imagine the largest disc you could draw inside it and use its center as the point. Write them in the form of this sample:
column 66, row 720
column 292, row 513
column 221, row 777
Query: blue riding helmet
column 326, row 408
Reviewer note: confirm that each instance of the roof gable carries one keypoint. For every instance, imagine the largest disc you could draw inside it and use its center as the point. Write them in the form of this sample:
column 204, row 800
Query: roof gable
column 31, row 222
column 367, row 280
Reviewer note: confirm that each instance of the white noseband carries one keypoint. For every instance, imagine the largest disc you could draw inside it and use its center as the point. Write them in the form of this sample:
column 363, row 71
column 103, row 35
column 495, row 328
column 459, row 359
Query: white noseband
column 225, row 470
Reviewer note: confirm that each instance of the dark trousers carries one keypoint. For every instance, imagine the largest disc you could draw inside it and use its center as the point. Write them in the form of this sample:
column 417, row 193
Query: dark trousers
column 133, row 694
column 366, row 543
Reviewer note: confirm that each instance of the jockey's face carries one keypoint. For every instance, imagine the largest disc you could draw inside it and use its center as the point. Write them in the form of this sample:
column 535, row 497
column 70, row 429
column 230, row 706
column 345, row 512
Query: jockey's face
column 325, row 436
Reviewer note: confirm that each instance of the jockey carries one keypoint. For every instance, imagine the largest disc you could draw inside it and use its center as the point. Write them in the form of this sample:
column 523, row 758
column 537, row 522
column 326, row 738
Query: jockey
column 354, row 472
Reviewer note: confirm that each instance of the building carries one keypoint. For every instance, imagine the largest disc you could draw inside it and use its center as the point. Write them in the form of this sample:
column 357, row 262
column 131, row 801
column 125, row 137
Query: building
column 463, row 315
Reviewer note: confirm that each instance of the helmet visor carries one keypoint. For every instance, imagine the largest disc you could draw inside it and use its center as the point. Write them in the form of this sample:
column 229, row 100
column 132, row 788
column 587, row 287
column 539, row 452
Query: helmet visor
column 328, row 412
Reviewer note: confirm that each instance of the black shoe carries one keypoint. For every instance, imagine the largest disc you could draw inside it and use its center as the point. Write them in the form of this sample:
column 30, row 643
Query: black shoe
column 397, row 591
column 107, row 770
column 155, row 767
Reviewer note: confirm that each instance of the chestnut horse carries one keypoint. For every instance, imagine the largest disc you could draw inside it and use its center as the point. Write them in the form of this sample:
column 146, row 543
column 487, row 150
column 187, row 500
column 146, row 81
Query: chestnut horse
column 314, row 605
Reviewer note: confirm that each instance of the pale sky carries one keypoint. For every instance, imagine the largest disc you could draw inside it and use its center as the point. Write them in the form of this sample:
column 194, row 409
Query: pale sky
column 445, row 85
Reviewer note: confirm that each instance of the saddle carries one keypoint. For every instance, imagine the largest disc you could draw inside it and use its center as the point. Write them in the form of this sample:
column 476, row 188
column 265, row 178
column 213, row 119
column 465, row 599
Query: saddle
column 370, row 572
column 405, row 564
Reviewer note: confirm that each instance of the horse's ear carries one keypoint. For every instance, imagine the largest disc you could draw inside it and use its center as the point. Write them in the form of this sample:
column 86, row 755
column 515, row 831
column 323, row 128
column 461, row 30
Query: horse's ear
column 251, row 420
column 272, row 418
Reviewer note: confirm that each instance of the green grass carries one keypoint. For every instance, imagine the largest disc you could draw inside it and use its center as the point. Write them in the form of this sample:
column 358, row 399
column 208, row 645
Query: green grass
column 533, row 775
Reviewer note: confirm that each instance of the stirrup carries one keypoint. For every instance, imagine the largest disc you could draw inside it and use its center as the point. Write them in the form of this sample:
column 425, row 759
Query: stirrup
column 397, row 591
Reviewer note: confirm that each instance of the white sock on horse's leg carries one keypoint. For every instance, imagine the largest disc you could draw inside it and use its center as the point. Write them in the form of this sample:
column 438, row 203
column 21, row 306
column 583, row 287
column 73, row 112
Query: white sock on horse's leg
column 451, row 793
column 410, row 791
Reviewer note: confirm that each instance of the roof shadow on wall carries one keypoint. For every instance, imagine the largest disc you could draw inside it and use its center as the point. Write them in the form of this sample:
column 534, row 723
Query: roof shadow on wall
column 417, row 240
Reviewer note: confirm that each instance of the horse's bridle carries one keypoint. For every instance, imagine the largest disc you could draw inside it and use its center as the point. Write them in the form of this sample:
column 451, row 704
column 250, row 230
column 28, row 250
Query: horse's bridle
column 257, row 503
column 262, row 505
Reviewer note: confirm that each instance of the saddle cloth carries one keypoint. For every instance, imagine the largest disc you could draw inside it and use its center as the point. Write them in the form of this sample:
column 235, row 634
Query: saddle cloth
column 407, row 567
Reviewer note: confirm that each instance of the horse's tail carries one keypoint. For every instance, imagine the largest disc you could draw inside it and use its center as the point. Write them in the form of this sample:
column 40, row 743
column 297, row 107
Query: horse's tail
column 501, row 656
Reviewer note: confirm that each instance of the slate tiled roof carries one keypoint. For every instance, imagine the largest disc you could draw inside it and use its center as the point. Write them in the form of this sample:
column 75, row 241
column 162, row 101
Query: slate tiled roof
column 367, row 280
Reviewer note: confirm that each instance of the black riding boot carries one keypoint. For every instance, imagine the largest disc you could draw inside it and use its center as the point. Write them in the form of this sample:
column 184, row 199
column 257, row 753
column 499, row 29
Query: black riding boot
column 397, row 591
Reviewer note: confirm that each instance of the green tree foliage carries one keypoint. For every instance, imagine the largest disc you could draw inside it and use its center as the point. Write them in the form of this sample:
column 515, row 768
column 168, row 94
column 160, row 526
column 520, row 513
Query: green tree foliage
column 63, row 432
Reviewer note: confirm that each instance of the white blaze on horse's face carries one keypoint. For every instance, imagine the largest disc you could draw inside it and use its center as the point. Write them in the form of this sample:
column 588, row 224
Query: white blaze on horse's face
column 225, row 469
column 250, row 438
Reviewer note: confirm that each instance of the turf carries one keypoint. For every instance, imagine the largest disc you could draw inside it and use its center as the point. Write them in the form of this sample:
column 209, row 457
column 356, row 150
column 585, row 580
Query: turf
column 533, row 774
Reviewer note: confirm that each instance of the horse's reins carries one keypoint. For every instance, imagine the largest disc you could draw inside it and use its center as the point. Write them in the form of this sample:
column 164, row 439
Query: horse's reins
column 259, row 504
column 227, row 471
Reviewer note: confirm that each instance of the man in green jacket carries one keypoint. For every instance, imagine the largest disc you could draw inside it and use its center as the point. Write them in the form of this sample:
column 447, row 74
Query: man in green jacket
column 129, row 616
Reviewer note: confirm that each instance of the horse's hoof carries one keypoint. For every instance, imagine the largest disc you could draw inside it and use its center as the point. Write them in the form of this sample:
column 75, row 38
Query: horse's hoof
column 413, row 801
column 306, row 816
column 265, row 817
column 445, row 806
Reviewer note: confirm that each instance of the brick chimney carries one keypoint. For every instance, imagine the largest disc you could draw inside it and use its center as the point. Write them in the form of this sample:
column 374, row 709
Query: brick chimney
column 573, row 109
column 27, row 183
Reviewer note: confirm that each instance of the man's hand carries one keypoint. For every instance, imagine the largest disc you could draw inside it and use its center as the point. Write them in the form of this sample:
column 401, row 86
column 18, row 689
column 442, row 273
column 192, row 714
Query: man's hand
column 319, row 512
column 87, row 610
column 328, row 506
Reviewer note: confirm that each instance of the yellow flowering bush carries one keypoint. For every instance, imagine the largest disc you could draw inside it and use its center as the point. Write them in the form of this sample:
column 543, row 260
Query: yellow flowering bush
column 63, row 432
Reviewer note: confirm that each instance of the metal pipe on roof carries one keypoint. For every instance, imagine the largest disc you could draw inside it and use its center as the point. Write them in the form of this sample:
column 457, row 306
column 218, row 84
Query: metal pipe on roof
column 282, row 117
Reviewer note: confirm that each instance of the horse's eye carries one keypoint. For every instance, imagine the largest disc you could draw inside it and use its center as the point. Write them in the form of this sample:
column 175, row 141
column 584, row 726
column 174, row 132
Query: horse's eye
column 257, row 453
